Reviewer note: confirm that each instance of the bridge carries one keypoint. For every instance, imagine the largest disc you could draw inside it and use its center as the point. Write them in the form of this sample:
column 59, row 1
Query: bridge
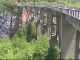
column 61, row 24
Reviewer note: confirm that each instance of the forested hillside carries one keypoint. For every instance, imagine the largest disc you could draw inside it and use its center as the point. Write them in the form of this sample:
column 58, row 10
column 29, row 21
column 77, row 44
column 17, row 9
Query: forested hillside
column 9, row 5
column 72, row 3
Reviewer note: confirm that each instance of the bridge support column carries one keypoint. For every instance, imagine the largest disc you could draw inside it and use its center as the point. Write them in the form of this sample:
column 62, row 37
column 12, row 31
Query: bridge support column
column 30, row 13
column 35, row 14
column 68, row 39
column 26, row 13
column 38, row 29
column 42, row 19
column 49, row 18
column 54, row 30
column 18, row 18
column 77, row 48
column 42, row 15
column 38, row 26
column 45, row 30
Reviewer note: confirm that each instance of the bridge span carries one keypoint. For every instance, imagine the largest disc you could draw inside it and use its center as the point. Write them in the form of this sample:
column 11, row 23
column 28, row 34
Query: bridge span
column 61, row 24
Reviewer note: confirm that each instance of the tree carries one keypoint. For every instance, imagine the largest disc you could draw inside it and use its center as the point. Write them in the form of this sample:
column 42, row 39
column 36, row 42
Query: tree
column 8, row 5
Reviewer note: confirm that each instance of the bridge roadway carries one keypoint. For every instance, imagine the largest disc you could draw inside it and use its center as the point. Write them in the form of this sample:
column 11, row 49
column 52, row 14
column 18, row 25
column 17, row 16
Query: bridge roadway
column 62, row 22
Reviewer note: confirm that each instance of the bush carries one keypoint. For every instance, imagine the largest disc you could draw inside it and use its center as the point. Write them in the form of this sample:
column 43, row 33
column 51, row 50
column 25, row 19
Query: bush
column 31, row 31
column 19, row 47
column 42, row 46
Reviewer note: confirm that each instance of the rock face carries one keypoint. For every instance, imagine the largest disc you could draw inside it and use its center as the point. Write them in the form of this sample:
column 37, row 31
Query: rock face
column 4, row 24
column 23, row 18
column 8, row 28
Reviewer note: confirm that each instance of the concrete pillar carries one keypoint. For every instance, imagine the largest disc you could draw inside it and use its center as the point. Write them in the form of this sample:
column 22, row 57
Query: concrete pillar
column 27, row 13
column 58, row 17
column 36, row 12
column 59, row 30
column 44, row 25
column 54, row 30
column 42, row 15
column 19, row 15
column 49, row 18
column 38, row 25
column 26, row 9
column 68, row 38
column 38, row 29
column 30, row 10
column 30, row 13
column 77, row 50
column 45, row 30
column 78, row 14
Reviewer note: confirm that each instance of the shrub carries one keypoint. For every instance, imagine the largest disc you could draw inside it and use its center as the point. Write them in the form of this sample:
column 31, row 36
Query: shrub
column 19, row 47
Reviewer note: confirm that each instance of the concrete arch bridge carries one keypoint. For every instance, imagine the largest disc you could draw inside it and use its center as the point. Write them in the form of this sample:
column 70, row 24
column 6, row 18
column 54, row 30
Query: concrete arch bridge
column 62, row 23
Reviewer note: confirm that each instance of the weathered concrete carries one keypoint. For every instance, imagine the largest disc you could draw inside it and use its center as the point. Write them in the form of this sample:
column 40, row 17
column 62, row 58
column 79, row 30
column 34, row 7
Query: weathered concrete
column 54, row 30
column 74, row 21
column 38, row 29
column 49, row 19
column 42, row 14
column 77, row 50
column 36, row 12
column 45, row 30
column 18, row 16
column 68, row 39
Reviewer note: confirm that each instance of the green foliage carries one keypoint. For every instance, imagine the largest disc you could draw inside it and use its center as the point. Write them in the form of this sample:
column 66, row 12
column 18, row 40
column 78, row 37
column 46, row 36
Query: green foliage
column 19, row 48
column 31, row 31
column 41, row 48
column 8, row 5
column 53, row 54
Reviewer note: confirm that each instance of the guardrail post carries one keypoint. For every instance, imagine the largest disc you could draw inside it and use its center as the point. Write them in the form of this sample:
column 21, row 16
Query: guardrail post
column 78, row 14
column 70, row 12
